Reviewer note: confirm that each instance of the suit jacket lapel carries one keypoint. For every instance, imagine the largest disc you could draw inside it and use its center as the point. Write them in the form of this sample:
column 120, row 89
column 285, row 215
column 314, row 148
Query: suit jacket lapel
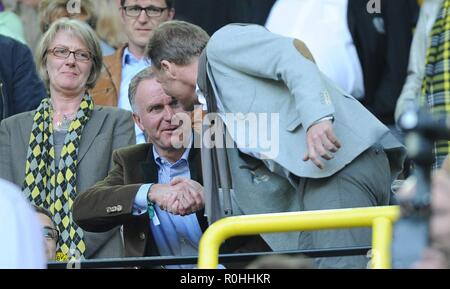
column 90, row 131
column 25, row 128
column 195, row 165
column 114, row 66
column 196, row 175
column 149, row 167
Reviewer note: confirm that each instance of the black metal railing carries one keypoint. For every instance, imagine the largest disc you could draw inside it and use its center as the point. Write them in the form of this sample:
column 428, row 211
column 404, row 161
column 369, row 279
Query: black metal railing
column 159, row 262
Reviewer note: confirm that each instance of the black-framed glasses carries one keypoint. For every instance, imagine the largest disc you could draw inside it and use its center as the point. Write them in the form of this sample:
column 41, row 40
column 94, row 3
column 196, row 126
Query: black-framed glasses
column 50, row 233
column 151, row 11
column 64, row 52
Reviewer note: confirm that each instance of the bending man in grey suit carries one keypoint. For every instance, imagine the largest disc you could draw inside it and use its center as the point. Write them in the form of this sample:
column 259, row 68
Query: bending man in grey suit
column 334, row 153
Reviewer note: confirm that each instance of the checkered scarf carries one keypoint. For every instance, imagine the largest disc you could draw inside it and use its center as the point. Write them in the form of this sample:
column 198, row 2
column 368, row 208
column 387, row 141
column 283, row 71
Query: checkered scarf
column 436, row 83
column 56, row 192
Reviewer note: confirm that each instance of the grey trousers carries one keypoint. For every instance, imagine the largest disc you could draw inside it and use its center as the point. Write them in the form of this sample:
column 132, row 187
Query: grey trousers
column 365, row 182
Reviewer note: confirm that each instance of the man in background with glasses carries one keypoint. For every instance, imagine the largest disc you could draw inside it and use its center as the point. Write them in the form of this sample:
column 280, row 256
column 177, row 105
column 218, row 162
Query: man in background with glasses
column 139, row 19
column 49, row 231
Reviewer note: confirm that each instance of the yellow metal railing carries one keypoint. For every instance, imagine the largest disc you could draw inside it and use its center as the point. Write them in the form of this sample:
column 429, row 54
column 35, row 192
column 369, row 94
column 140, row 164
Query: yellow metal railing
column 379, row 218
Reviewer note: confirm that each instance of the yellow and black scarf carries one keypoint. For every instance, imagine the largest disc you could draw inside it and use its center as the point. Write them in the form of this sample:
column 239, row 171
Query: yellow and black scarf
column 56, row 192
column 436, row 83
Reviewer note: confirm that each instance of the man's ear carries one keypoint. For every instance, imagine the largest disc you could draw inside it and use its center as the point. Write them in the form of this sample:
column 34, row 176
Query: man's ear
column 168, row 69
column 137, row 121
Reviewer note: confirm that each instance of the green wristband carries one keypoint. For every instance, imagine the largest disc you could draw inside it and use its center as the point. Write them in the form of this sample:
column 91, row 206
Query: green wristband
column 150, row 206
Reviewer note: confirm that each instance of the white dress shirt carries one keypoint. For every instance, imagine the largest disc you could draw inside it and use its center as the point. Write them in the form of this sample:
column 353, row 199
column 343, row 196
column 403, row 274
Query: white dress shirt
column 174, row 235
column 322, row 26
column 22, row 240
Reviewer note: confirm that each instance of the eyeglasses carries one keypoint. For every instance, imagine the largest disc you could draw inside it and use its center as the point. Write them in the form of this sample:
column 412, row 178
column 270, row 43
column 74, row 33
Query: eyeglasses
column 64, row 52
column 50, row 233
column 151, row 11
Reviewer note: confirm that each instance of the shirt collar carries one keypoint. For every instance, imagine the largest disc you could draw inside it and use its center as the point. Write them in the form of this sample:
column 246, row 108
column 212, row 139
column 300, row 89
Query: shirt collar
column 184, row 158
column 128, row 58
column 201, row 97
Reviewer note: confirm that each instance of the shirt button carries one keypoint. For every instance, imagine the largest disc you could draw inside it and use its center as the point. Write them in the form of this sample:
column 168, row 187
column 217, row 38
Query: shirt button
column 142, row 236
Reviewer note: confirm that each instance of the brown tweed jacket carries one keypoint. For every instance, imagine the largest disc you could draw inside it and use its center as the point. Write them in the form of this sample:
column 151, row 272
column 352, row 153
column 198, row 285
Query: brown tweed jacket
column 106, row 91
column 133, row 166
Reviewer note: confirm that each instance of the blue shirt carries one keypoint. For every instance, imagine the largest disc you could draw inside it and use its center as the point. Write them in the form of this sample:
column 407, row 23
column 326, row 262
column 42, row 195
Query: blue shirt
column 174, row 235
column 130, row 67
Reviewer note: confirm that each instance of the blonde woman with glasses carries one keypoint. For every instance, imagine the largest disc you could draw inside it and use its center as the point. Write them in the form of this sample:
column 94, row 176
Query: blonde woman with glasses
column 65, row 145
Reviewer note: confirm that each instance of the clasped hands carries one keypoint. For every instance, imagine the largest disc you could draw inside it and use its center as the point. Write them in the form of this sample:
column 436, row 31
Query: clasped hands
column 180, row 197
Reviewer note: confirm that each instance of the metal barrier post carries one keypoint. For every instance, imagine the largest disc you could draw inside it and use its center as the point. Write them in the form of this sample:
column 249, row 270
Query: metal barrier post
column 298, row 221
column 381, row 243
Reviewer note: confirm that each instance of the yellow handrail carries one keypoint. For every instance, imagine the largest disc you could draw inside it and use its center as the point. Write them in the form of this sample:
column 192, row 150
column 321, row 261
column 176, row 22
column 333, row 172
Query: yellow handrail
column 381, row 218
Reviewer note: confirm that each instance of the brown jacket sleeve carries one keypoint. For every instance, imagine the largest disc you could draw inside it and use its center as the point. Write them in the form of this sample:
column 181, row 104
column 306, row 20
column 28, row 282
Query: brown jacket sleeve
column 107, row 204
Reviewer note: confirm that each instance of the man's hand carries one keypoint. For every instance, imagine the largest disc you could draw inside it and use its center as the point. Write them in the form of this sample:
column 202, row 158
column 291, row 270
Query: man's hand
column 180, row 197
column 192, row 198
column 321, row 142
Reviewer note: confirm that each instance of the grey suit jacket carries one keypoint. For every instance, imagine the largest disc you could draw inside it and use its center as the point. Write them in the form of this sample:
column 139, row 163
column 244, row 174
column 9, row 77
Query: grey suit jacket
column 108, row 129
column 255, row 71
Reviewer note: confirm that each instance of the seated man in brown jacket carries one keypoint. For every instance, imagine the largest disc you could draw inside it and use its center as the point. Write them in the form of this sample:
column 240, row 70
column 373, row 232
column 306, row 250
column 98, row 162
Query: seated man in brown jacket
column 154, row 190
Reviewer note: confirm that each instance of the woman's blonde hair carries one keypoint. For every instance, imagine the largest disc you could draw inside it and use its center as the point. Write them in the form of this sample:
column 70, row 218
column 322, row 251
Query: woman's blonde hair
column 75, row 28
column 48, row 9
column 109, row 25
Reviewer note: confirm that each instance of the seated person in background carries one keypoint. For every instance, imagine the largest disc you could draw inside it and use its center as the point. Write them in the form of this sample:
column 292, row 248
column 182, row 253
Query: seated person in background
column 21, row 89
column 49, row 231
column 65, row 145
column 163, row 176
column 427, row 81
column 11, row 25
column 52, row 10
column 21, row 242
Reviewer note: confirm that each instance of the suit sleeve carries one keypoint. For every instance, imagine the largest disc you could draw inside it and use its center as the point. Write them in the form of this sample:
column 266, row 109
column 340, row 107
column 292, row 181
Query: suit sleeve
column 254, row 51
column 28, row 89
column 92, row 209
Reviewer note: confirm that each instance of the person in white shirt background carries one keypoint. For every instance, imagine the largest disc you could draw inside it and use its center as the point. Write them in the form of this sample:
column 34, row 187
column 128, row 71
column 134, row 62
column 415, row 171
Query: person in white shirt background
column 21, row 241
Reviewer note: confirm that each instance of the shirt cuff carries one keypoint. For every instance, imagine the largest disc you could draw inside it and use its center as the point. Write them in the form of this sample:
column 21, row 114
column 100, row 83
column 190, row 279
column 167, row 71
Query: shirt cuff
column 329, row 117
column 140, row 201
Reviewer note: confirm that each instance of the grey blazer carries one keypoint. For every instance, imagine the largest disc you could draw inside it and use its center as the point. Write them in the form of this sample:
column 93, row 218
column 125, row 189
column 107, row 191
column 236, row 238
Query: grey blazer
column 252, row 70
column 108, row 129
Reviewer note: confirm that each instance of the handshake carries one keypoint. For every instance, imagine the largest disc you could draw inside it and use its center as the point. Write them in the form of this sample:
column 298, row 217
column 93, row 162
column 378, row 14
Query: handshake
column 180, row 197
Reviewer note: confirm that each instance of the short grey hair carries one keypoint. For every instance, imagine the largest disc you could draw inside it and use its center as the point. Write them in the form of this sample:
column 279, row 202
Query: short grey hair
column 176, row 41
column 80, row 30
column 144, row 74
